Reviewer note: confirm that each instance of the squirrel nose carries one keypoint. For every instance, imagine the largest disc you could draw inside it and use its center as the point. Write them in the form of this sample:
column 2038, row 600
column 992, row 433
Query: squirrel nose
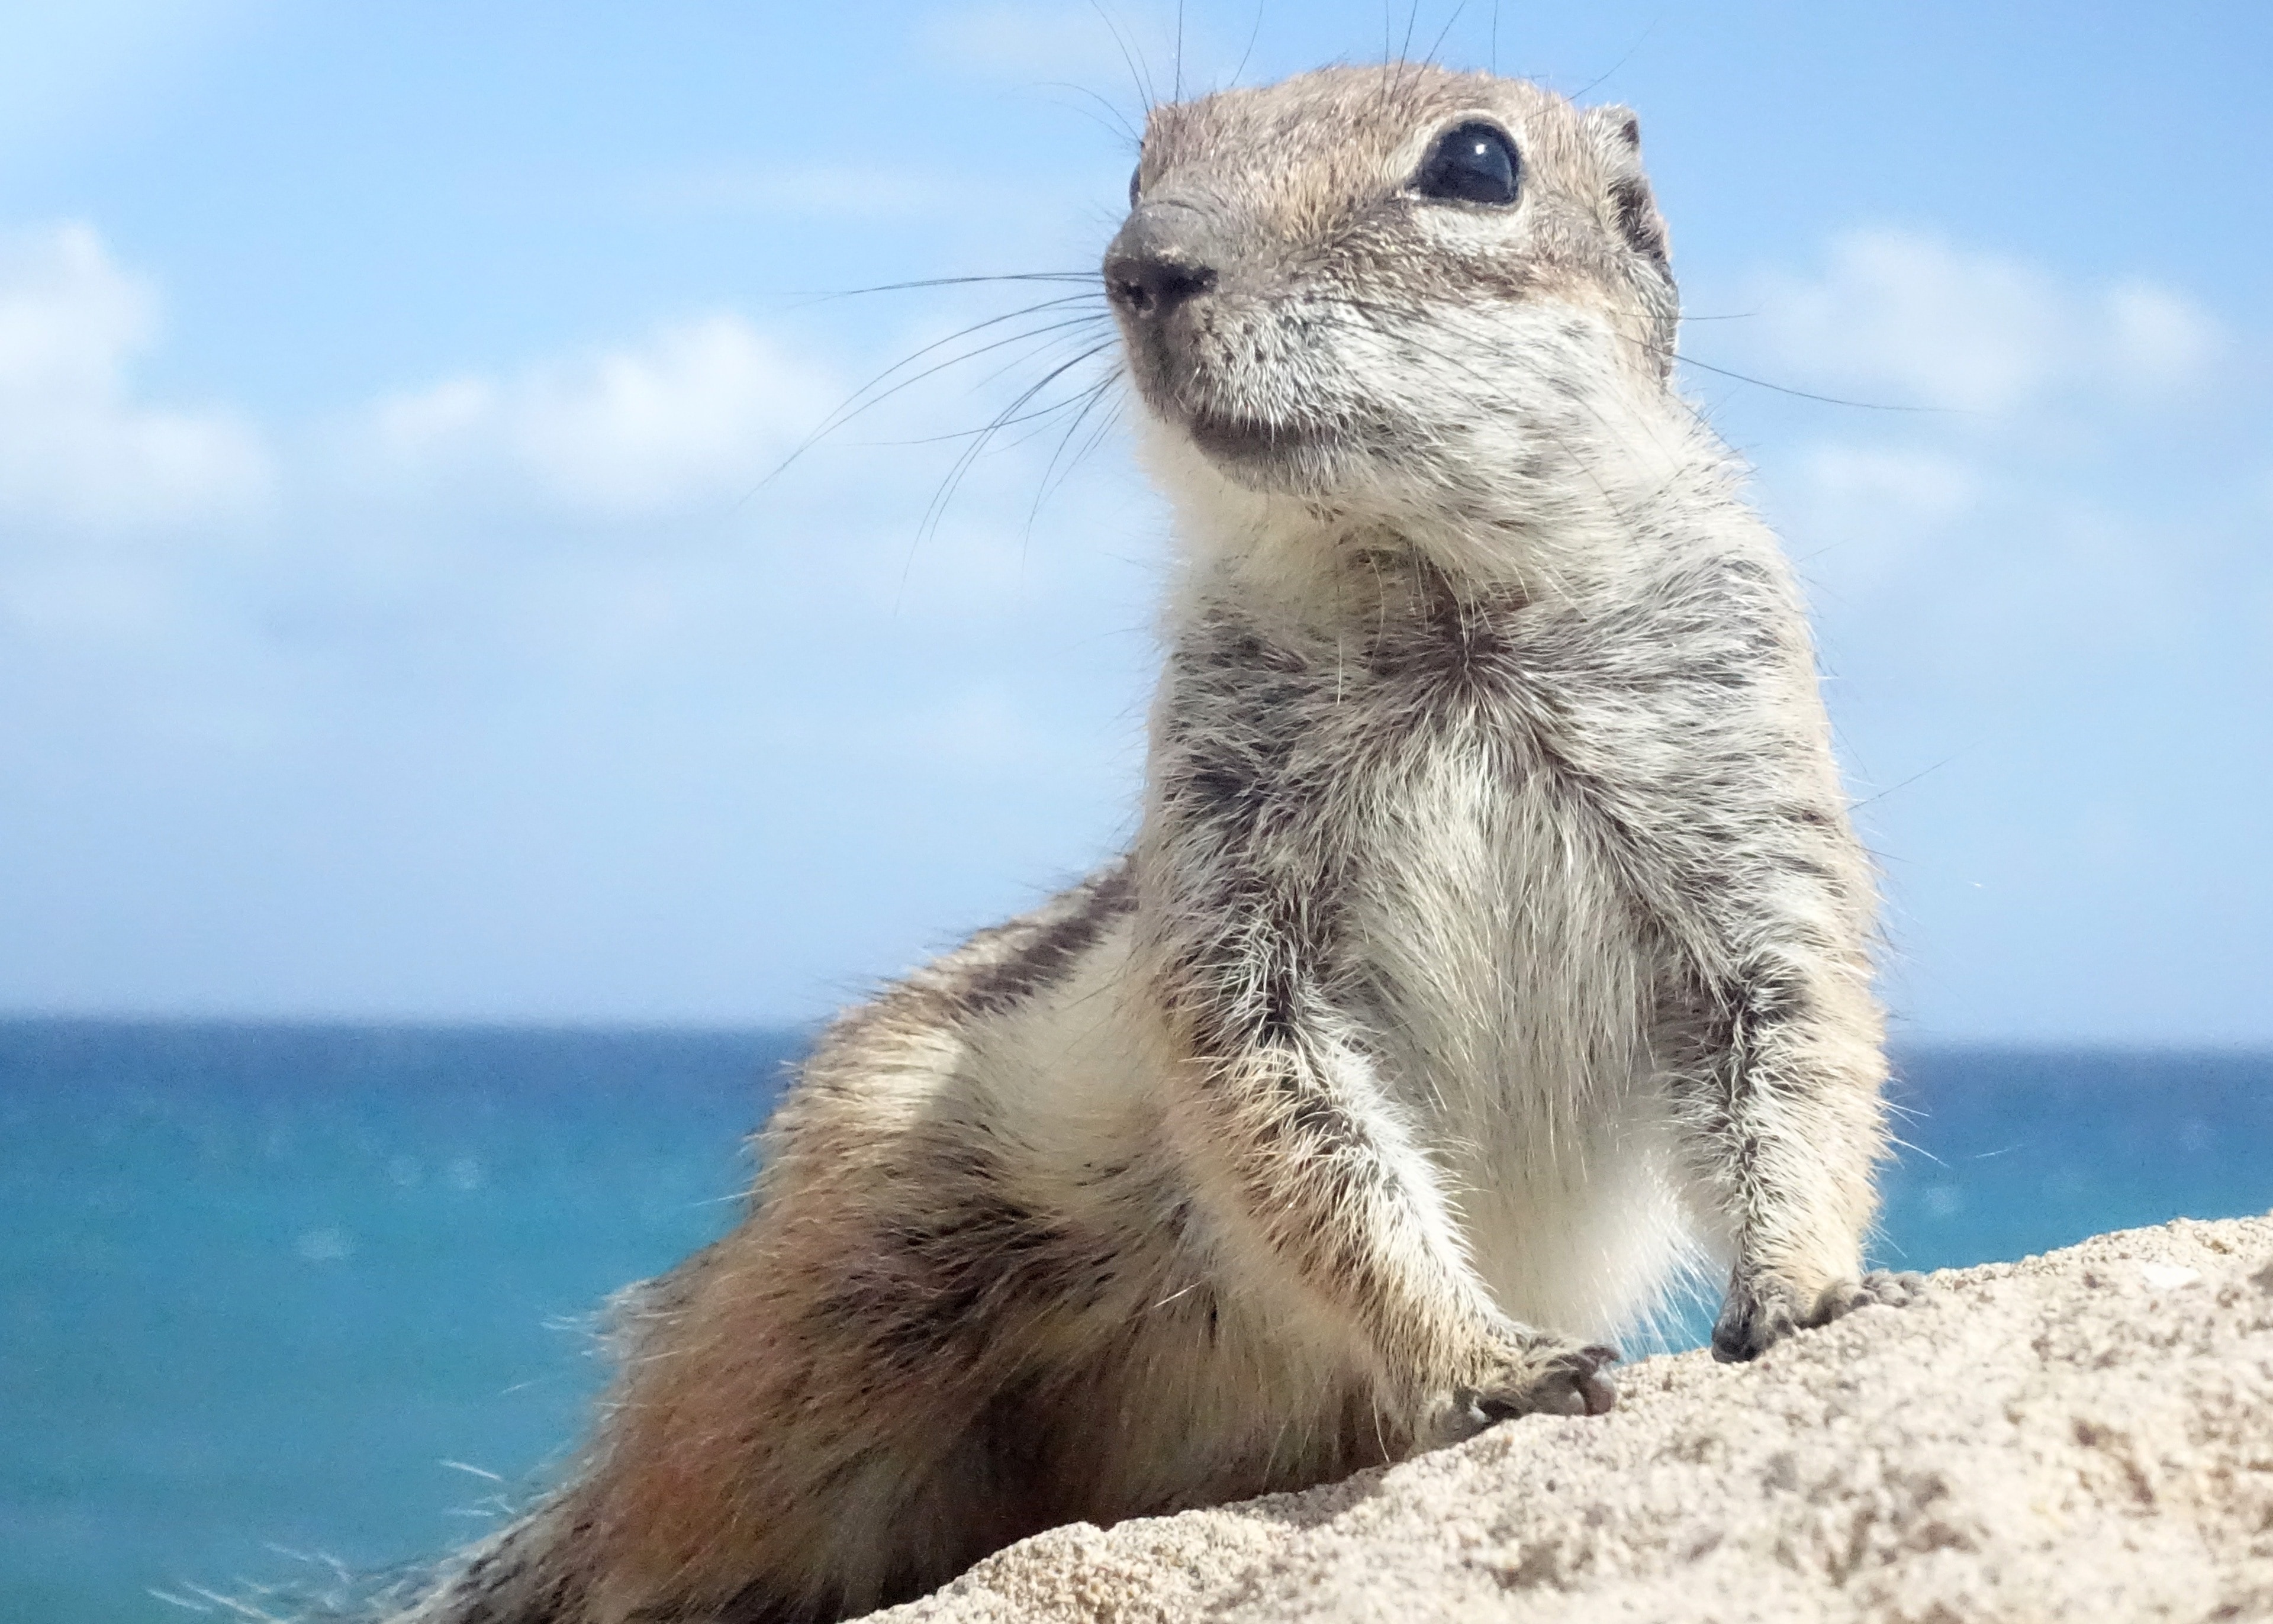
column 1152, row 266
column 1149, row 286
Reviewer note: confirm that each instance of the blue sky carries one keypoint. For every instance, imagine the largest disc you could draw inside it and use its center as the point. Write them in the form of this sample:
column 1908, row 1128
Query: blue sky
column 393, row 621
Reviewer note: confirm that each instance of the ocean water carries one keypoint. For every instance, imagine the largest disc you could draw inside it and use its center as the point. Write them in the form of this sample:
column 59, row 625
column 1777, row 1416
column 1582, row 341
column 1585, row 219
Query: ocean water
column 275, row 1297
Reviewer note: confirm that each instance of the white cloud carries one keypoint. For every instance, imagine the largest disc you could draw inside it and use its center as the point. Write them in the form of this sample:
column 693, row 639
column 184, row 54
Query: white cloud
column 1105, row 49
column 79, row 451
column 700, row 411
column 2162, row 342
column 1877, row 504
column 1905, row 484
column 2102, row 512
column 2006, row 539
column 845, row 191
column 416, row 538
column 1908, row 318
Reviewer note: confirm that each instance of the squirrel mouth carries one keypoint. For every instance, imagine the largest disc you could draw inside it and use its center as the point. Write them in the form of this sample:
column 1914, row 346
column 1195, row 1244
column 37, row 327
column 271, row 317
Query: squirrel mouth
column 1246, row 439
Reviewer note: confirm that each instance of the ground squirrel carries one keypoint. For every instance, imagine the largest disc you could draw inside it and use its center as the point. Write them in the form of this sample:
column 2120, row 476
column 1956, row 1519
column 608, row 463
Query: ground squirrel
column 1494, row 943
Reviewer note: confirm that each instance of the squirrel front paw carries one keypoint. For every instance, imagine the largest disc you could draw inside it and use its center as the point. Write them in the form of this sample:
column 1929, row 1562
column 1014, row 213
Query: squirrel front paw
column 1760, row 1313
column 1529, row 1375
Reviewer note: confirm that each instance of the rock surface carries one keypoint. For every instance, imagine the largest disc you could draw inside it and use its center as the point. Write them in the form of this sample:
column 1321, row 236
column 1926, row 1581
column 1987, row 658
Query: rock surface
column 2087, row 1434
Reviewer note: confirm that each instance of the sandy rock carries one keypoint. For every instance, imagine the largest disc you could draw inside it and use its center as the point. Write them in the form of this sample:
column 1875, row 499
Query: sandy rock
column 2083, row 1435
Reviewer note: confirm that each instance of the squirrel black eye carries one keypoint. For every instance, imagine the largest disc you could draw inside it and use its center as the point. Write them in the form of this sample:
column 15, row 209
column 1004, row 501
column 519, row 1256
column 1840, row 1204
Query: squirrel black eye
column 1471, row 163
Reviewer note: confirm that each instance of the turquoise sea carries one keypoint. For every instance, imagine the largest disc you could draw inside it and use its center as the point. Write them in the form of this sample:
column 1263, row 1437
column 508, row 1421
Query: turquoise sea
column 273, row 1298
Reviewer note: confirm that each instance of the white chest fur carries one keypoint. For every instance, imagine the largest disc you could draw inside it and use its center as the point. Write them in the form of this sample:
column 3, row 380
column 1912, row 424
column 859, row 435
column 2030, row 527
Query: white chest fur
column 1511, row 995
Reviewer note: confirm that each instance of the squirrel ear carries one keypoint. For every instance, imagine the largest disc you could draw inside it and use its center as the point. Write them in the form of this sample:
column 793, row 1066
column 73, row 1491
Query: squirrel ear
column 1614, row 127
column 1615, row 133
column 1638, row 221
